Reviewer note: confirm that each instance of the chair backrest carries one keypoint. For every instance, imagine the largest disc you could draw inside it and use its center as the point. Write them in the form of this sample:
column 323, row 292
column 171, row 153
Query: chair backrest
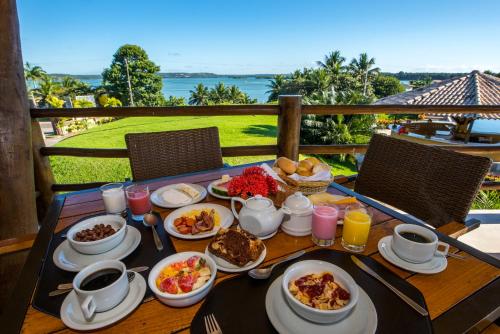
column 158, row 154
column 433, row 184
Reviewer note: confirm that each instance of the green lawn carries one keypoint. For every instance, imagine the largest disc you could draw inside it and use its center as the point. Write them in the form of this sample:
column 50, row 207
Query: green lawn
column 234, row 131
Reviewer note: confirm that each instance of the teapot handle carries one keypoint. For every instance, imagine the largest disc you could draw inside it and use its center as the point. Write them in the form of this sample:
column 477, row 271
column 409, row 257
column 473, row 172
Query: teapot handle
column 233, row 208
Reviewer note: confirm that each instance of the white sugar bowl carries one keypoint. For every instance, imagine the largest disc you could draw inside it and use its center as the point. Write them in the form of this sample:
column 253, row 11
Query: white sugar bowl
column 298, row 222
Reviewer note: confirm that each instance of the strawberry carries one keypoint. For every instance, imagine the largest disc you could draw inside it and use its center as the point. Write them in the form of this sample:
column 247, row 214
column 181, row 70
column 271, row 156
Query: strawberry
column 169, row 285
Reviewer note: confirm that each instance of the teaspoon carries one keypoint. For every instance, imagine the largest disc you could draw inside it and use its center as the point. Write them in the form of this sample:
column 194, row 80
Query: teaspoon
column 150, row 219
column 264, row 273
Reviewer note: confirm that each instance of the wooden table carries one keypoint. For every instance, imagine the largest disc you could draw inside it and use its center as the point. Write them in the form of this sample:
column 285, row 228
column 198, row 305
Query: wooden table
column 450, row 295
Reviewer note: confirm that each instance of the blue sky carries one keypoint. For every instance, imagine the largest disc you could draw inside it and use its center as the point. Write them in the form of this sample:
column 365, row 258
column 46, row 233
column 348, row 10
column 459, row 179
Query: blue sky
column 273, row 36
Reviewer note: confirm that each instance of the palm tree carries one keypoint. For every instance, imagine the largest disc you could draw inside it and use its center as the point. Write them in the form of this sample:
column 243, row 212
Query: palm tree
column 235, row 95
column 199, row 96
column 362, row 68
column 219, row 94
column 333, row 63
column 318, row 80
column 47, row 88
column 275, row 87
column 33, row 74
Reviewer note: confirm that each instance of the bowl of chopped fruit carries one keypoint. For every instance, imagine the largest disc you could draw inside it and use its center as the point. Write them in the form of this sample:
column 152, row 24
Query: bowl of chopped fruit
column 182, row 279
column 319, row 291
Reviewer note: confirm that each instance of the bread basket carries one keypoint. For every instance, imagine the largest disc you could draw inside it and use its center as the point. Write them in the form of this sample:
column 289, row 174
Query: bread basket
column 307, row 187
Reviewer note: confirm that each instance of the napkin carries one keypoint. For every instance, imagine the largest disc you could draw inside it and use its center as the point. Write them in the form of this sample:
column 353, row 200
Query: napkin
column 271, row 172
column 324, row 175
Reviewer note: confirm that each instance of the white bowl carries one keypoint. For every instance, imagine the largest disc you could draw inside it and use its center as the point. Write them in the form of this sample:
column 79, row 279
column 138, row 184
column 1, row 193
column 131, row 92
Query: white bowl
column 183, row 299
column 340, row 276
column 102, row 245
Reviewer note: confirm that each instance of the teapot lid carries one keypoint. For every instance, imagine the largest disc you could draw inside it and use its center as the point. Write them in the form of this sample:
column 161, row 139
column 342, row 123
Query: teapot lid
column 259, row 203
column 298, row 202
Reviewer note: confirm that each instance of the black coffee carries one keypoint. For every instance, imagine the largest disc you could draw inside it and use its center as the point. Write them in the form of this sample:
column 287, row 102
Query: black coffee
column 415, row 237
column 100, row 279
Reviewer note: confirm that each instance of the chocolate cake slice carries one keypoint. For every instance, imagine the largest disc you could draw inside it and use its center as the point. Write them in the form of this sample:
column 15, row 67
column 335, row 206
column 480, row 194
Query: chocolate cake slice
column 236, row 246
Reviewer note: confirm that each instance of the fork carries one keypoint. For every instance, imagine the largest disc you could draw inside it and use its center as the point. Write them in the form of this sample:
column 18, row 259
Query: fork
column 211, row 324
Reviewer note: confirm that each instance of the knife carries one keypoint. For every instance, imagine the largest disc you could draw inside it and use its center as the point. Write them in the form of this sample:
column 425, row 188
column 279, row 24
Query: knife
column 401, row 295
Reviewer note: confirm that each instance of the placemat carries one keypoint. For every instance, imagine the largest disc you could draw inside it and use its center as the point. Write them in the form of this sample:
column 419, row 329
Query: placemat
column 50, row 276
column 239, row 303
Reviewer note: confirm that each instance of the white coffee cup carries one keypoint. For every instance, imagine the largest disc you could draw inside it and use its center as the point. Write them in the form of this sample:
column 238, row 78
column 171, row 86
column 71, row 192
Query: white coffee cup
column 417, row 252
column 103, row 299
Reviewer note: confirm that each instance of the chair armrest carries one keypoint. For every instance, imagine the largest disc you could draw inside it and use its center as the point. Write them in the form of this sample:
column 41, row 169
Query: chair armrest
column 17, row 244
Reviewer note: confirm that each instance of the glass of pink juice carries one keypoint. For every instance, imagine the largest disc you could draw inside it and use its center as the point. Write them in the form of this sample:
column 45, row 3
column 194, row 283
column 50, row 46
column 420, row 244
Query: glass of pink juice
column 138, row 200
column 324, row 225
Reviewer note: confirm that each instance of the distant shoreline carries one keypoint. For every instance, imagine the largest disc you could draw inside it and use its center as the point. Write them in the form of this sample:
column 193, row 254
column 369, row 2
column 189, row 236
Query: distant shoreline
column 399, row 75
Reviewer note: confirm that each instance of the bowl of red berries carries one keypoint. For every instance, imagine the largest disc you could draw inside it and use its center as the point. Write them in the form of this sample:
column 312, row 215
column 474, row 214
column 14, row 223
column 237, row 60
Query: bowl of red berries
column 182, row 279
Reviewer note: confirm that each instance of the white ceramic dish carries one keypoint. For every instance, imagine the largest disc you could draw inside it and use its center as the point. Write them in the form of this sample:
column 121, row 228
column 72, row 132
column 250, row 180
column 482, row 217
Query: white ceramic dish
column 184, row 299
column 223, row 265
column 362, row 320
column 211, row 192
column 436, row 265
column 72, row 316
column 226, row 220
column 157, row 199
column 66, row 258
column 341, row 277
column 98, row 246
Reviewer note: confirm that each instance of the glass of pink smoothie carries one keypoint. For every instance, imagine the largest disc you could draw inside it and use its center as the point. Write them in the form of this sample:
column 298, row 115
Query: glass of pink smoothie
column 324, row 225
column 138, row 200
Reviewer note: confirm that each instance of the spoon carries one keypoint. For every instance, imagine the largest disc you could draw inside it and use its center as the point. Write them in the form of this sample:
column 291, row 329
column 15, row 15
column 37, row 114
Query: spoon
column 130, row 277
column 264, row 273
column 150, row 219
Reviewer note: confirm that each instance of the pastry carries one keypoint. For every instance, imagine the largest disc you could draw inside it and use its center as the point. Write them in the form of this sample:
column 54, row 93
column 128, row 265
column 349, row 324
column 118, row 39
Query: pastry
column 237, row 247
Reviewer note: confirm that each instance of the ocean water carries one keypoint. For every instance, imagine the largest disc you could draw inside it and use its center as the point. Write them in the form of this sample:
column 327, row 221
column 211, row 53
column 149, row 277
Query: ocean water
column 256, row 88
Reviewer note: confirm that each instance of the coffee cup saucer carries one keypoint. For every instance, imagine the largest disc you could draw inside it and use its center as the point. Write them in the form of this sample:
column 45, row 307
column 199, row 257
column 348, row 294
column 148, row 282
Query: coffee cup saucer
column 72, row 316
column 436, row 265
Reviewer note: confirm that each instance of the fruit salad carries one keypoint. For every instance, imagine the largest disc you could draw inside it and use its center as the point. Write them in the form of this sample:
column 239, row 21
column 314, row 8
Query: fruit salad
column 183, row 276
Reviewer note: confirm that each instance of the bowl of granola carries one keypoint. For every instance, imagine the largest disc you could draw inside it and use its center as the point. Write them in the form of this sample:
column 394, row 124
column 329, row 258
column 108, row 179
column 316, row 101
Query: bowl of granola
column 319, row 291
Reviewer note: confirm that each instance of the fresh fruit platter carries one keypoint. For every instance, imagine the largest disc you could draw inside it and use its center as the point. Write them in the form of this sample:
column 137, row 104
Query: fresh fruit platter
column 183, row 276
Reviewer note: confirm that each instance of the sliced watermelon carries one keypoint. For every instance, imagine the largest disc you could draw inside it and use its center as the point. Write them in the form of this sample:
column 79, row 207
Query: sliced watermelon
column 221, row 188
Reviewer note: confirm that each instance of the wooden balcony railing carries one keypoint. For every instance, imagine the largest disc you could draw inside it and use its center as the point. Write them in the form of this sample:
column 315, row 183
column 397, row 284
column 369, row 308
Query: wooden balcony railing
column 289, row 112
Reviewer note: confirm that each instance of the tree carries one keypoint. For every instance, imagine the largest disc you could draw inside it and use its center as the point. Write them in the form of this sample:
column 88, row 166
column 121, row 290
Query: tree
column 275, row 87
column 82, row 104
column 199, row 96
column 33, row 74
column 384, row 85
column 362, row 69
column 174, row 101
column 333, row 63
column 47, row 88
column 72, row 87
column 145, row 81
column 219, row 94
column 426, row 81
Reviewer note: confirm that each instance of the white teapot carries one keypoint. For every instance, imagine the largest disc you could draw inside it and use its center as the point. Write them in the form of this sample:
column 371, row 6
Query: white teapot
column 259, row 216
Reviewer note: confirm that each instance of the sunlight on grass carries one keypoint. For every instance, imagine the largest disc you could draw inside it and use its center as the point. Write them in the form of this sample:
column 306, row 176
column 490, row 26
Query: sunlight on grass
column 233, row 131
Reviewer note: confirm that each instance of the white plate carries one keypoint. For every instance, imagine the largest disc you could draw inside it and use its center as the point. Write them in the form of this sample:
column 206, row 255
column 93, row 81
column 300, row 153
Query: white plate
column 226, row 220
column 211, row 192
column 362, row 320
column 223, row 265
column 158, row 200
column 436, row 265
column 71, row 313
column 66, row 258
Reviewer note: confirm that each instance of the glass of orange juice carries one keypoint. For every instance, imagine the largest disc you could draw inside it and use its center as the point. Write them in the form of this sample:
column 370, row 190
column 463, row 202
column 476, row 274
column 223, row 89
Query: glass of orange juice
column 357, row 222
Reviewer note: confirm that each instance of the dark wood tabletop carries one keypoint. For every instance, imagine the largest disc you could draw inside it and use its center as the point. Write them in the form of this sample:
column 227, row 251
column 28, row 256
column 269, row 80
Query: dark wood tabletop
column 457, row 298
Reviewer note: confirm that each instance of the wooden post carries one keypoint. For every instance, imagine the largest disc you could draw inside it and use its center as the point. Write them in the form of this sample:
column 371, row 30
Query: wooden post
column 289, row 126
column 17, row 187
column 44, row 179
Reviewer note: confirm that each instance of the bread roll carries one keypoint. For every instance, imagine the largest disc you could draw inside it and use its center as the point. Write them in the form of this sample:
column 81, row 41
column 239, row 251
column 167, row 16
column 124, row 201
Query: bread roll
column 304, row 171
column 279, row 171
column 306, row 164
column 314, row 161
column 287, row 165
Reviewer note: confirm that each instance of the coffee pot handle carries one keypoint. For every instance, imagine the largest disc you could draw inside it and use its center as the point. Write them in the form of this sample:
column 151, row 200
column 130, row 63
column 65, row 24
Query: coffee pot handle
column 233, row 208
column 88, row 307
column 442, row 252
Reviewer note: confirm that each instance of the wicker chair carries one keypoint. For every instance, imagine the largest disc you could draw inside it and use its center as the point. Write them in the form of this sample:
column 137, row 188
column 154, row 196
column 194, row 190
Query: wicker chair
column 159, row 154
column 433, row 184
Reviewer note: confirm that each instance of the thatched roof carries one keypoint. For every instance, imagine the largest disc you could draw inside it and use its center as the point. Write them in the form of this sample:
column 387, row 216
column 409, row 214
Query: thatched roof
column 475, row 88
